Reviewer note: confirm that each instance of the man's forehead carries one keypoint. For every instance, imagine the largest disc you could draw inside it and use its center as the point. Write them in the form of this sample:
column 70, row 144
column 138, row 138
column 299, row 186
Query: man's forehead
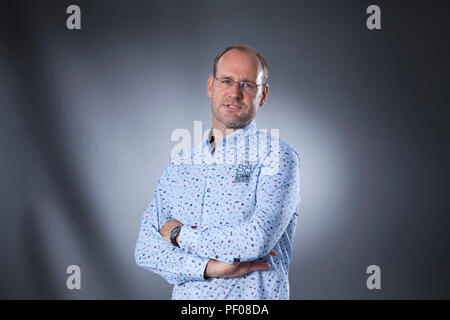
column 238, row 61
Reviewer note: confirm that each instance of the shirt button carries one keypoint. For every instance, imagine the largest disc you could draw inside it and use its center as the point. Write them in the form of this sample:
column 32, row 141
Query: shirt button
column 214, row 163
column 190, row 249
column 208, row 190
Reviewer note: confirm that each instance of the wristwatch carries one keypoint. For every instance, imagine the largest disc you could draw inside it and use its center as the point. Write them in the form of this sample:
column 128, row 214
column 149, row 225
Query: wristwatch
column 173, row 235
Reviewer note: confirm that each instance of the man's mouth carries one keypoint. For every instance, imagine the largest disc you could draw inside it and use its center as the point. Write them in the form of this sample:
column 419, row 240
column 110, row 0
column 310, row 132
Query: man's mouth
column 233, row 106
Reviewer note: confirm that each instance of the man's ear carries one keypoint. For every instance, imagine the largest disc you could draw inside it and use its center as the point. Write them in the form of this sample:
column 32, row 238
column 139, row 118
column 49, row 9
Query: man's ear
column 264, row 94
column 209, row 86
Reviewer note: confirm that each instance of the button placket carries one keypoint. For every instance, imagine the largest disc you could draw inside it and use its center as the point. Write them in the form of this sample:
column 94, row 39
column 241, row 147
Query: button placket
column 208, row 188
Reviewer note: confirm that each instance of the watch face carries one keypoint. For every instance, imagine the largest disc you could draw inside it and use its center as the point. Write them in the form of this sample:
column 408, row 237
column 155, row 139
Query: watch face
column 174, row 232
column 173, row 235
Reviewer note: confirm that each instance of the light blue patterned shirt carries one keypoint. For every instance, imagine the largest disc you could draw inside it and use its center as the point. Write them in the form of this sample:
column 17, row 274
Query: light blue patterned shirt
column 236, row 202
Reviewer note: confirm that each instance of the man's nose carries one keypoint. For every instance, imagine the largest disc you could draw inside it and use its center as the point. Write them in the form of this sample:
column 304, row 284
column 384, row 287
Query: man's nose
column 236, row 90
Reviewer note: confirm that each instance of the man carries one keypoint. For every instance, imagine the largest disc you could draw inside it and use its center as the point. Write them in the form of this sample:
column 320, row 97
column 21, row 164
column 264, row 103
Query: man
column 223, row 216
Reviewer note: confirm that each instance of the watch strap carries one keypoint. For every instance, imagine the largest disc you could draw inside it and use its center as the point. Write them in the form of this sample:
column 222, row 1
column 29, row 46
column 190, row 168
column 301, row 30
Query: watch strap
column 173, row 235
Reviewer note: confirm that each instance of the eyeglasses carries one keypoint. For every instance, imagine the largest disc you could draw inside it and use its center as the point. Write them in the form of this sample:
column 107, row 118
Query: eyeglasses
column 248, row 86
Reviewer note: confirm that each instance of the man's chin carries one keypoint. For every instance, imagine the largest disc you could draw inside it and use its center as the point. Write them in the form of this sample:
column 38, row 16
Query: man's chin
column 231, row 120
column 234, row 124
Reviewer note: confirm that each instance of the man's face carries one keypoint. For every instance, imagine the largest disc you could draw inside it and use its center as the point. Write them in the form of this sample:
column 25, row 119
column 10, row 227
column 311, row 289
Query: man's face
column 232, row 106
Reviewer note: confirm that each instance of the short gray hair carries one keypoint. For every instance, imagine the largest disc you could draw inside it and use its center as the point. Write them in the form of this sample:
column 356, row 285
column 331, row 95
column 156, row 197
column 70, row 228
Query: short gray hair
column 244, row 48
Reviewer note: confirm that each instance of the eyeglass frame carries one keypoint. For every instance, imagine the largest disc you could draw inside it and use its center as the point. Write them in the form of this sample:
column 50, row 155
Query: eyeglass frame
column 241, row 83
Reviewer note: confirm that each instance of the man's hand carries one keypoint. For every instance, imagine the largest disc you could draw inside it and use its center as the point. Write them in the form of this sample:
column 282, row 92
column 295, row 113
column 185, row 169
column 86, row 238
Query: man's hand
column 217, row 269
column 167, row 227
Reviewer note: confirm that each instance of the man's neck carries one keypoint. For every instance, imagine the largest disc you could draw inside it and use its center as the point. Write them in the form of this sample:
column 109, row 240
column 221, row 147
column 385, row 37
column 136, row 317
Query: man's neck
column 220, row 131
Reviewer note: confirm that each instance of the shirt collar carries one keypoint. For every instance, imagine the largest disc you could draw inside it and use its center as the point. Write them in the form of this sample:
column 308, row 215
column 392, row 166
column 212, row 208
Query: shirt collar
column 244, row 131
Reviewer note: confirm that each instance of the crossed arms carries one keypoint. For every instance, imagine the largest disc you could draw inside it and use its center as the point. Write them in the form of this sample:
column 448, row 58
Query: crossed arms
column 277, row 199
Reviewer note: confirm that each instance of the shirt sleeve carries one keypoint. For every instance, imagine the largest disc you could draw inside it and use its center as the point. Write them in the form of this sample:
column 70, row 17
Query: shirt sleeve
column 154, row 253
column 278, row 198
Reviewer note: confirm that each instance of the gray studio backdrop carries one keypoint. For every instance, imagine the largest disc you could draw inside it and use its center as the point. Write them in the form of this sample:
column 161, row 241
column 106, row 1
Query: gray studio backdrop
column 87, row 115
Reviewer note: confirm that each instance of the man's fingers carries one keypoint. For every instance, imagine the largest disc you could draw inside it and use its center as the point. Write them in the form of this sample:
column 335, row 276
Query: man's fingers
column 272, row 253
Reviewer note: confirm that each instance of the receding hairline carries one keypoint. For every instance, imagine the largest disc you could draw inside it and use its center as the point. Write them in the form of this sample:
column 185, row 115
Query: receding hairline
column 248, row 49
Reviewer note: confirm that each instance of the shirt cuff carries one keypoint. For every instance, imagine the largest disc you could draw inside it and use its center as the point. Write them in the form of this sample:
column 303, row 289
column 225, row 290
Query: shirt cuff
column 188, row 238
column 195, row 268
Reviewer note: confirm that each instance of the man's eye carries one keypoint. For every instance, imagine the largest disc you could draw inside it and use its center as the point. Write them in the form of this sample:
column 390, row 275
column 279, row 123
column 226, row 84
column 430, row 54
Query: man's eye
column 226, row 81
column 249, row 85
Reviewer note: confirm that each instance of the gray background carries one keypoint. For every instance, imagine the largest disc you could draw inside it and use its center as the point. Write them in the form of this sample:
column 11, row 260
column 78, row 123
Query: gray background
column 86, row 118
